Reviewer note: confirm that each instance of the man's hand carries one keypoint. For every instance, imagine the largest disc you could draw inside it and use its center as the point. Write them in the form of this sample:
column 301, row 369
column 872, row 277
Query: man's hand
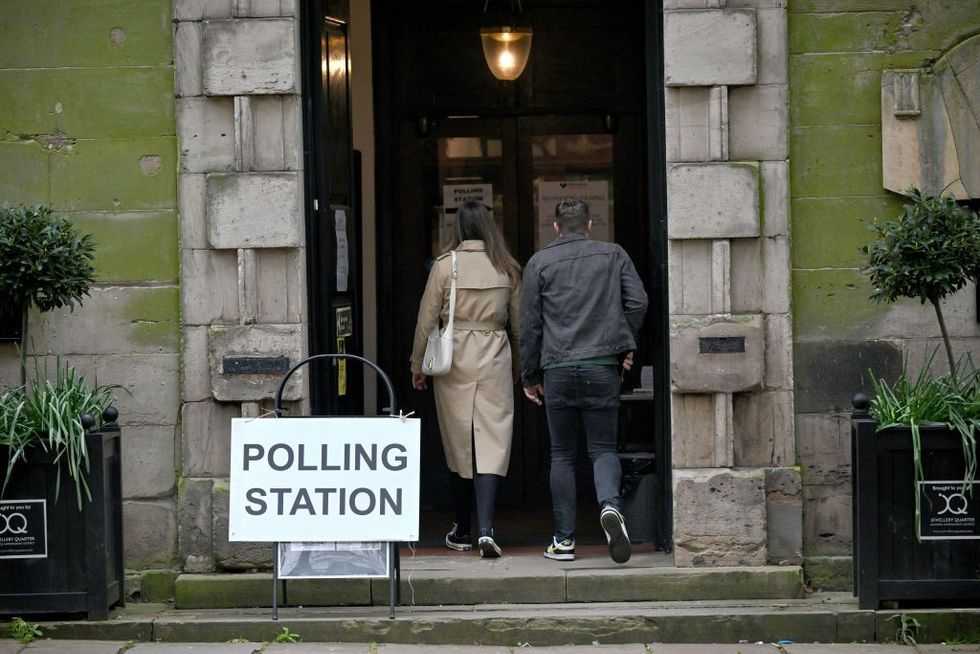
column 419, row 381
column 627, row 365
column 534, row 393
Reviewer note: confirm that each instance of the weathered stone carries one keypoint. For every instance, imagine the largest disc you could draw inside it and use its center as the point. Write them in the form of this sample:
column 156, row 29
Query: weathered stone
column 9, row 366
column 149, row 533
column 759, row 122
column 234, row 555
column 710, row 47
column 188, row 74
column 195, row 591
column 828, row 374
column 248, row 210
column 206, row 127
column 713, row 200
column 695, row 369
column 274, row 134
column 823, row 445
column 207, row 437
column 254, row 340
column 829, row 573
column 771, row 24
column 149, row 468
column 775, row 197
column 692, row 423
column 209, row 287
column 911, row 317
column 747, row 280
column 784, row 516
column 776, row 275
column 690, row 278
column 157, row 585
column 243, row 57
column 687, row 124
column 201, row 9
column 827, row 528
column 779, row 351
column 195, row 371
column 153, row 385
column 191, row 192
column 763, row 425
column 113, row 319
column 723, row 518
column 194, row 527
column 281, row 290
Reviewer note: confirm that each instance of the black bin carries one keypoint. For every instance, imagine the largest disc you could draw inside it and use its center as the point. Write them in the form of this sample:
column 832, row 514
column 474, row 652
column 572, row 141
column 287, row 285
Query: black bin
column 639, row 494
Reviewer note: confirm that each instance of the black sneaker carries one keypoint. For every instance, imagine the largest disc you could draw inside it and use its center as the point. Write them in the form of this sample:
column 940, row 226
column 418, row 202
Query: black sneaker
column 563, row 550
column 456, row 542
column 615, row 527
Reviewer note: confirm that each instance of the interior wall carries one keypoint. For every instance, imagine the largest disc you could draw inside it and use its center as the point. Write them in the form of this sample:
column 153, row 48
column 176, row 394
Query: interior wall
column 362, row 112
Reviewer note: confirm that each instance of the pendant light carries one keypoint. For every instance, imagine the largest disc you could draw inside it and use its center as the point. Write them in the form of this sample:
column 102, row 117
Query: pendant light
column 506, row 48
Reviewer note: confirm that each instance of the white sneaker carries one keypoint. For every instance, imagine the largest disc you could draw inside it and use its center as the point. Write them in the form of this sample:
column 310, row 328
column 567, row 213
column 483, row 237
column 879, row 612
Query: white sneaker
column 488, row 548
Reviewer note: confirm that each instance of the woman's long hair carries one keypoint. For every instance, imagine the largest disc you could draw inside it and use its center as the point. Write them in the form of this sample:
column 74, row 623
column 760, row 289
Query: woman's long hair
column 473, row 223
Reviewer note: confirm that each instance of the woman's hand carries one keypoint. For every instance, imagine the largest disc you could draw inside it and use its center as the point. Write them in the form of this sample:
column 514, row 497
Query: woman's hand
column 534, row 393
column 419, row 381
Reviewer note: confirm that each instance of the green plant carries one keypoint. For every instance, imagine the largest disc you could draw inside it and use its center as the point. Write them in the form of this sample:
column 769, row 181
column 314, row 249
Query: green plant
column 908, row 629
column 48, row 414
column 287, row 636
column 24, row 632
column 929, row 252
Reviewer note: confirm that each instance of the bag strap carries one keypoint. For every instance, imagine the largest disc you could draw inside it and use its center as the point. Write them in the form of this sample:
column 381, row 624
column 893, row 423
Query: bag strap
column 452, row 297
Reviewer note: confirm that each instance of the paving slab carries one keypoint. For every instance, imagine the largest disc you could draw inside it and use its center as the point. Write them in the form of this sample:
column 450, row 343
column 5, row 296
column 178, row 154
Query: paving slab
column 633, row 648
column 9, row 646
column 718, row 648
column 397, row 648
column 195, row 648
column 936, row 649
column 75, row 647
column 851, row 648
column 317, row 648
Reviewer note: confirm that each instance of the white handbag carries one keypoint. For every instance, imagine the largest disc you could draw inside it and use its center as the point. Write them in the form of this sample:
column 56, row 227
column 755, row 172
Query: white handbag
column 438, row 357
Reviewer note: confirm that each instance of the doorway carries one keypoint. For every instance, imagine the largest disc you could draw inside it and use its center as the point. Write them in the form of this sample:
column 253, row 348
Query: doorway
column 576, row 123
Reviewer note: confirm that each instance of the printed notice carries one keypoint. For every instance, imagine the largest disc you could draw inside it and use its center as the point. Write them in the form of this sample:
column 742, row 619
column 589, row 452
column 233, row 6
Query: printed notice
column 949, row 511
column 23, row 529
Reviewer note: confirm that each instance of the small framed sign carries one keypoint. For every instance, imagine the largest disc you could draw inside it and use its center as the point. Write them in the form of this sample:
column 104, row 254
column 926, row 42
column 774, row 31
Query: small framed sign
column 23, row 529
column 949, row 511
column 320, row 560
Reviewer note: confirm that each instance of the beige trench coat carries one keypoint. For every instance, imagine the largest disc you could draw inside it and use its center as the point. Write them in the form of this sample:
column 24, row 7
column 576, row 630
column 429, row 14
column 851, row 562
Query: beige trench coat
column 479, row 389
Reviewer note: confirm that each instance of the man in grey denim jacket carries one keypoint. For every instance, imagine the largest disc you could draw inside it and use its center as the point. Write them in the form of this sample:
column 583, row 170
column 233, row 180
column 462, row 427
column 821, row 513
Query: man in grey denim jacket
column 582, row 304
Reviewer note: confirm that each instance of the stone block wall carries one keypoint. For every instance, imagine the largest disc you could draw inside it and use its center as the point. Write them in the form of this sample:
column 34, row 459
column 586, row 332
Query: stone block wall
column 737, row 493
column 241, row 245
column 839, row 52
column 87, row 126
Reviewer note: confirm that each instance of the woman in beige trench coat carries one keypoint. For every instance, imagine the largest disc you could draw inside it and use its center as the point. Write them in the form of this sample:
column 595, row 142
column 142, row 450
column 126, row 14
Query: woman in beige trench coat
column 475, row 399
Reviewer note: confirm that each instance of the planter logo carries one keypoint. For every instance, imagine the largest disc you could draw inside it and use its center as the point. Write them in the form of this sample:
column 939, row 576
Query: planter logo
column 947, row 513
column 13, row 523
column 23, row 529
column 956, row 503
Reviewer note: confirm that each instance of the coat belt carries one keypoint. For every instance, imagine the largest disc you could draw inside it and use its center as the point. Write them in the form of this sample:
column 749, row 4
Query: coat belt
column 486, row 326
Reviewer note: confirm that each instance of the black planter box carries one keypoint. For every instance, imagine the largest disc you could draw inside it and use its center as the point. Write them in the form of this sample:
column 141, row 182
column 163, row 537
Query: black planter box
column 63, row 560
column 890, row 563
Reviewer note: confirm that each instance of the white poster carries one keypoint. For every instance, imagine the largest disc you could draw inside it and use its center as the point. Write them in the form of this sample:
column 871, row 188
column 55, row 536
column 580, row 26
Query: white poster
column 343, row 252
column 324, row 479
column 453, row 195
column 549, row 194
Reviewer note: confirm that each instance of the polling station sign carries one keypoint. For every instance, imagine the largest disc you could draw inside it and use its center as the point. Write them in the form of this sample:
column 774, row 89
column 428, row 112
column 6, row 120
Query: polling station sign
column 324, row 479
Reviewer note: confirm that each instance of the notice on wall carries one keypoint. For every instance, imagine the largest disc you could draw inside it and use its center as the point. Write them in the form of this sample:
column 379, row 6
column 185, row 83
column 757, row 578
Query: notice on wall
column 324, row 479
column 949, row 512
column 454, row 195
column 550, row 193
column 23, row 529
column 343, row 249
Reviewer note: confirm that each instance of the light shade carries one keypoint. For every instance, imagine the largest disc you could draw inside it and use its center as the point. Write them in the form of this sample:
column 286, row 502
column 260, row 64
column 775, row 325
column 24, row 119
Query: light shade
column 506, row 50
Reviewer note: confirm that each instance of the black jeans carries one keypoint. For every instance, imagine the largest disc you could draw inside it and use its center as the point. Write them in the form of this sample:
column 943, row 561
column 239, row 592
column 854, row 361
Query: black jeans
column 588, row 396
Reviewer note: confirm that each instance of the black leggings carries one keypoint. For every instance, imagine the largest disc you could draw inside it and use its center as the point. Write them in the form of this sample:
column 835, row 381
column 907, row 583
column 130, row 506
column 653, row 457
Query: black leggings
column 485, row 487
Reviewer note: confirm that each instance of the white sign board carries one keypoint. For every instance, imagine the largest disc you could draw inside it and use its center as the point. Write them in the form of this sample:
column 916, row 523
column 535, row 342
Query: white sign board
column 549, row 194
column 453, row 196
column 324, row 479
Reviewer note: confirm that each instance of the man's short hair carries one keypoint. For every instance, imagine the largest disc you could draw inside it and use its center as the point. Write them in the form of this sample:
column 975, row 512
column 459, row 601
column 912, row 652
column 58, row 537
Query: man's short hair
column 572, row 215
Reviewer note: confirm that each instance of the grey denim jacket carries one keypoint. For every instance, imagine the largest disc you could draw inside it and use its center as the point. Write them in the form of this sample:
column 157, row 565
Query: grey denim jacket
column 579, row 299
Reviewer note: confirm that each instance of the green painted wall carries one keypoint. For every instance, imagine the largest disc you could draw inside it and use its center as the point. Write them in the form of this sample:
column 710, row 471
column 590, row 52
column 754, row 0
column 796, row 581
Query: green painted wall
column 838, row 49
column 87, row 125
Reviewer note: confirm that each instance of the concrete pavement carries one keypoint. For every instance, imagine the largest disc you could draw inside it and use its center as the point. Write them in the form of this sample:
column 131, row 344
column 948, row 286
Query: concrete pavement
column 121, row 647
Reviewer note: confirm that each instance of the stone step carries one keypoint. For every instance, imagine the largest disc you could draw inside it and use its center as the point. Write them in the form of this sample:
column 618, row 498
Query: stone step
column 818, row 619
column 525, row 578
